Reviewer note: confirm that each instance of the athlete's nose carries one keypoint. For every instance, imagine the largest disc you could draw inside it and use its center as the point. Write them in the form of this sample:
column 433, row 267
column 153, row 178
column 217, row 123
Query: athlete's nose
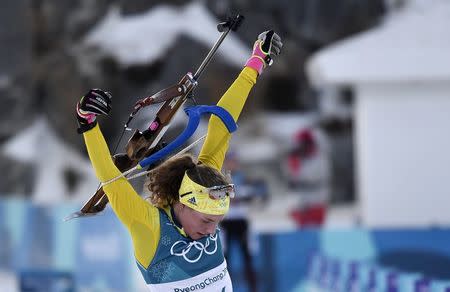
column 211, row 229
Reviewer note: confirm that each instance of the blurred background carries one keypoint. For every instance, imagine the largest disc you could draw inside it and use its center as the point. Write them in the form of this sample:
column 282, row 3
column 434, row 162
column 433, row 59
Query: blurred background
column 340, row 161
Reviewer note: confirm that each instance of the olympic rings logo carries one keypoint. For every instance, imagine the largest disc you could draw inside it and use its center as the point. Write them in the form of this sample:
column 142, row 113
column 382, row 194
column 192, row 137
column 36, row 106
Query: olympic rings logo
column 198, row 246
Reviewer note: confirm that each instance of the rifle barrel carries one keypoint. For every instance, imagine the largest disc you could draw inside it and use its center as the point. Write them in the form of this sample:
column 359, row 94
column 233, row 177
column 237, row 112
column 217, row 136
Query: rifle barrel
column 211, row 54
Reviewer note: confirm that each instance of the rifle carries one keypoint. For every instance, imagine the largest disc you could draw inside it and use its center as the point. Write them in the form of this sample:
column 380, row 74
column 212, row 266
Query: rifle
column 145, row 149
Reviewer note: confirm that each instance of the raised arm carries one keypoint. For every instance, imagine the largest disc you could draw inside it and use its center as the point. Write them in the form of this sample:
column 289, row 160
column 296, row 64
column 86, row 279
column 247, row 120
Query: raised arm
column 139, row 216
column 217, row 140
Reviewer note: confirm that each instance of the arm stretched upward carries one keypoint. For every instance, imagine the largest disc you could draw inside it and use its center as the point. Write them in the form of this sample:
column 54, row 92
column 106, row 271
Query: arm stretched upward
column 217, row 139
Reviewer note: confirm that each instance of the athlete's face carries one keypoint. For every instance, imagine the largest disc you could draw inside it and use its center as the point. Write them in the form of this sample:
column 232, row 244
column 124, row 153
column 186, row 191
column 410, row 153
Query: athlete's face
column 196, row 224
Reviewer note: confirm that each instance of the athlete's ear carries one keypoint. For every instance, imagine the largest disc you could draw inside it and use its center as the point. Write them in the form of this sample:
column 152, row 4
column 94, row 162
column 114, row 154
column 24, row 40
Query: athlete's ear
column 181, row 207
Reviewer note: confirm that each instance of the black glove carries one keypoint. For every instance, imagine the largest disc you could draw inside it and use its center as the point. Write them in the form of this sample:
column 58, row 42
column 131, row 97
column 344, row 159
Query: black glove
column 95, row 102
column 271, row 43
column 265, row 48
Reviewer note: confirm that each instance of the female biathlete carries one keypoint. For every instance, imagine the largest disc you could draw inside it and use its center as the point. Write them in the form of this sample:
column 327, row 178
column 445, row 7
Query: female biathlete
column 174, row 232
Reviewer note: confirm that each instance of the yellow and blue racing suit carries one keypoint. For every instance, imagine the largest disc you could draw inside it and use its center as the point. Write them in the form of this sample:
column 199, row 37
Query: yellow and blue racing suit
column 167, row 258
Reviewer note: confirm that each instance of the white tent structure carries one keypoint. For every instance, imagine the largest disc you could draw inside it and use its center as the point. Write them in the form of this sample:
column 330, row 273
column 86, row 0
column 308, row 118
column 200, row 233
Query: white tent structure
column 400, row 73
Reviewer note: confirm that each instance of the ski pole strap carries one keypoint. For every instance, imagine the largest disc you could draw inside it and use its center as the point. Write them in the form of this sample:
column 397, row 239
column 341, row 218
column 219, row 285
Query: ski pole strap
column 194, row 113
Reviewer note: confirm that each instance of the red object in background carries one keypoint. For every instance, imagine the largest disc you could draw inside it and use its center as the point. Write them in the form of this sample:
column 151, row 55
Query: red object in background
column 303, row 135
column 294, row 164
column 304, row 146
column 305, row 139
column 310, row 216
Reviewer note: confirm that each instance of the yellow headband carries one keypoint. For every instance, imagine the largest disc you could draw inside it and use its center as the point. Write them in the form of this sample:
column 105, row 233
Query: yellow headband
column 201, row 202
